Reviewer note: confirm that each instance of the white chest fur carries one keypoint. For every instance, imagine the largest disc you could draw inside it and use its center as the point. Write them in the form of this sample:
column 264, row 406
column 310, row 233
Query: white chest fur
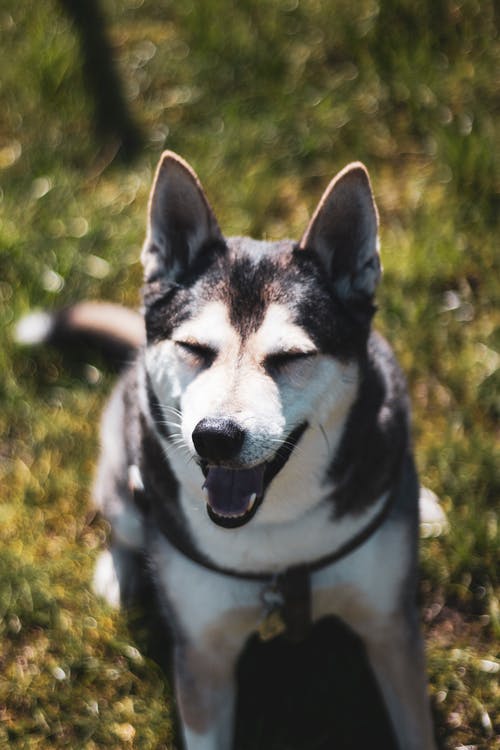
column 365, row 584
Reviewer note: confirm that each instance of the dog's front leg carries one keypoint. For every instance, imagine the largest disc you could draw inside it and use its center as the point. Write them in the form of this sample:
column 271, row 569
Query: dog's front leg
column 206, row 695
column 211, row 616
column 396, row 654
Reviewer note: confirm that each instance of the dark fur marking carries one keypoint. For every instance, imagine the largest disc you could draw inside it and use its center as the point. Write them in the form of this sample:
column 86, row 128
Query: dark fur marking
column 376, row 436
column 168, row 303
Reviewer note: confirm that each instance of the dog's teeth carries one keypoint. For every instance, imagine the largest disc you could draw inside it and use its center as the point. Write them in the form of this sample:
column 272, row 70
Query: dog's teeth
column 230, row 515
column 253, row 498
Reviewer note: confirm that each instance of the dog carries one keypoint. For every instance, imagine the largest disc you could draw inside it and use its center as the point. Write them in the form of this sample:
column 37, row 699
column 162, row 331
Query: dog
column 257, row 451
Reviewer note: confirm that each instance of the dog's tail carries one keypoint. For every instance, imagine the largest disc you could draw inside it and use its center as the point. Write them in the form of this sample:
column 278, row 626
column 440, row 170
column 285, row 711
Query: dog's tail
column 115, row 331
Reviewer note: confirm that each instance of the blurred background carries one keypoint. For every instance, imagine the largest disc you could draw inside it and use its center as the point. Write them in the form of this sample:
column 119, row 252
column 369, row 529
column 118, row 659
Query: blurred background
column 267, row 101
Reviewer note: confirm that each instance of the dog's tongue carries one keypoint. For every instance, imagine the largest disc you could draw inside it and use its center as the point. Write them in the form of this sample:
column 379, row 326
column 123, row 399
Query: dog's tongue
column 232, row 492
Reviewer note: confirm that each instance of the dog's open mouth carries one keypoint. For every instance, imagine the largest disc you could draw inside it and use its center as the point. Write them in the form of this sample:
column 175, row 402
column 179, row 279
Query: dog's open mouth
column 234, row 495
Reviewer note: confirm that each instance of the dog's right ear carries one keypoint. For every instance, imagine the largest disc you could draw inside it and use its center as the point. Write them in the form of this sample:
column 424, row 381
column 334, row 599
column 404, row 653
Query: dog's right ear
column 180, row 220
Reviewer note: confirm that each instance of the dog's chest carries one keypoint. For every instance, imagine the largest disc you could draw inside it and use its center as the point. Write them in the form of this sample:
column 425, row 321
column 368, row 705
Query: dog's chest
column 206, row 603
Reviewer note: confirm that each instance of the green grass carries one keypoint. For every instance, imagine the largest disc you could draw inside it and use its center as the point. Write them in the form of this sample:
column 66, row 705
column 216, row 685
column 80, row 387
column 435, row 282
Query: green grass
column 266, row 114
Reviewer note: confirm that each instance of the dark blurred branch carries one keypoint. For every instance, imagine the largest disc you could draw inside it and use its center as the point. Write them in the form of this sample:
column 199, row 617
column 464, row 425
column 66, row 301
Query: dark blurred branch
column 113, row 120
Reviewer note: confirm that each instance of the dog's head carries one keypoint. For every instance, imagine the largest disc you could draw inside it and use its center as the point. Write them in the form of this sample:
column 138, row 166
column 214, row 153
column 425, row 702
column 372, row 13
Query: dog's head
column 252, row 343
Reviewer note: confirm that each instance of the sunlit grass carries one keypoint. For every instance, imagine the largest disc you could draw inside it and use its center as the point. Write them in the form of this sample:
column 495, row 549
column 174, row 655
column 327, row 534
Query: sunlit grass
column 267, row 101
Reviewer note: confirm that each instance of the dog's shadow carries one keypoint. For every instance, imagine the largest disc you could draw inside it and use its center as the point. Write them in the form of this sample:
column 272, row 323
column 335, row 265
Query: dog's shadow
column 316, row 695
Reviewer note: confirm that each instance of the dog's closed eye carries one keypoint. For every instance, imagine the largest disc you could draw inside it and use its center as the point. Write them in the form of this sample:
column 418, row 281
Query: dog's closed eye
column 198, row 354
column 280, row 361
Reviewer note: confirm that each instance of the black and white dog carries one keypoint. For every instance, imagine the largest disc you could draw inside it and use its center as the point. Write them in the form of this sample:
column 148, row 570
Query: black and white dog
column 258, row 452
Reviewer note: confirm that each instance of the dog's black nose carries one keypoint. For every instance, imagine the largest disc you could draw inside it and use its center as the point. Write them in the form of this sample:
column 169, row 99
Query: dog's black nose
column 217, row 439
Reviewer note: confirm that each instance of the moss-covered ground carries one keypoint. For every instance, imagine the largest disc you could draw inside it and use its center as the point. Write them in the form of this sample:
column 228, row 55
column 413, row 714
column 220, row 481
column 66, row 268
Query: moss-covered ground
column 267, row 100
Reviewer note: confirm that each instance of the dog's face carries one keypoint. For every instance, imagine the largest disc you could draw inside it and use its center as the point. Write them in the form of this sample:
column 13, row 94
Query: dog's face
column 251, row 342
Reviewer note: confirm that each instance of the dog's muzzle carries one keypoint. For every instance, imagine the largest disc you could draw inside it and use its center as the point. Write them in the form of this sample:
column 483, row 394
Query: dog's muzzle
column 234, row 495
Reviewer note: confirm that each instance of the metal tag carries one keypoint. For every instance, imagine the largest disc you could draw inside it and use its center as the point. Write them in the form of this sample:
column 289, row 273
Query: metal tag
column 272, row 623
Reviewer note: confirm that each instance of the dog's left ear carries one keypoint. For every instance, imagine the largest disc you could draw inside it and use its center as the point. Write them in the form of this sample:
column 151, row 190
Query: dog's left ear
column 344, row 234
column 181, row 222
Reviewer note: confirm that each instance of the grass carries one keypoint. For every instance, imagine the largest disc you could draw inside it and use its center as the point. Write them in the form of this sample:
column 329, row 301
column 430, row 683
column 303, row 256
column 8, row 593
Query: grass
column 267, row 101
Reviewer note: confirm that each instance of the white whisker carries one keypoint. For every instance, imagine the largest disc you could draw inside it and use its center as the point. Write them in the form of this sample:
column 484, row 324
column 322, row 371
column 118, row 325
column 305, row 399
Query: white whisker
column 175, row 412
column 167, row 423
column 295, row 447
column 181, row 450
